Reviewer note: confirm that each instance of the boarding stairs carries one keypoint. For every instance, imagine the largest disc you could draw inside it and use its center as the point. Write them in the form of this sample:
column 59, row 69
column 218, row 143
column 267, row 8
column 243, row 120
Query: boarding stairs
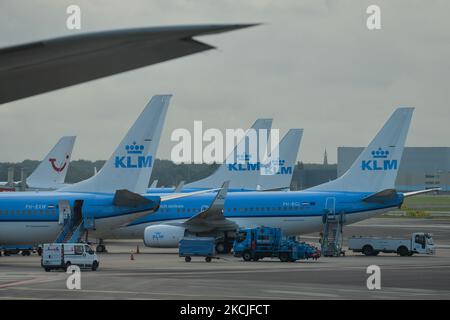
column 332, row 230
column 74, row 224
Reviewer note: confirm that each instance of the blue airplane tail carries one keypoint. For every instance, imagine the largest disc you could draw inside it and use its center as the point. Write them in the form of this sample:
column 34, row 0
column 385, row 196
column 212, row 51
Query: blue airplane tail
column 240, row 177
column 278, row 169
column 130, row 166
column 377, row 166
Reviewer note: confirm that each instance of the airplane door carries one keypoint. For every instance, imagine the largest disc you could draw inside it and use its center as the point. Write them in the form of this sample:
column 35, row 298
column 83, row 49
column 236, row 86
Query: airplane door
column 330, row 206
column 64, row 211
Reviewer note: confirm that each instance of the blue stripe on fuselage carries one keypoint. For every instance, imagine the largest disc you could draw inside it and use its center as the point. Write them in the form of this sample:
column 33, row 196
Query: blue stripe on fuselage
column 267, row 204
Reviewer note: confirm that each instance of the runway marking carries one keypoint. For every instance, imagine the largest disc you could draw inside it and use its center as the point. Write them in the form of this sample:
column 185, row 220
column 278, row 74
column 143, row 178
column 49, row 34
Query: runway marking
column 312, row 294
column 31, row 281
column 209, row 295
column 404, row 226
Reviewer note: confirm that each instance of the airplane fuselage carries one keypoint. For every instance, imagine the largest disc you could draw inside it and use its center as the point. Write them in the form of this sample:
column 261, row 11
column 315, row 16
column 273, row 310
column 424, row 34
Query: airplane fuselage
column 295, row 212
column 34, row 217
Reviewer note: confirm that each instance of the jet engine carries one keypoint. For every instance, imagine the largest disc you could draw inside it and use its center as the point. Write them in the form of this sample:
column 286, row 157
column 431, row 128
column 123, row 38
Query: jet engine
column 163, row 236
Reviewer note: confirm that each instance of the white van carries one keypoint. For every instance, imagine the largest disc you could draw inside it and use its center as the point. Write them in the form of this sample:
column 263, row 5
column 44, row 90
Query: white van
column 63, row 255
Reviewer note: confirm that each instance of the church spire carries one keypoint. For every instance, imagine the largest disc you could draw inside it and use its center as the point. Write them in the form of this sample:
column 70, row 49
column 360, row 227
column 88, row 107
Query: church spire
column 325, row 158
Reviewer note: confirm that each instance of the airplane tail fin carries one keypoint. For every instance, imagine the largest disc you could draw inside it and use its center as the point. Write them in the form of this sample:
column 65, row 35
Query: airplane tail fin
column 229, row 171
column 376, row 167
column 280, row 169
column 130, row 166
column 51, row 172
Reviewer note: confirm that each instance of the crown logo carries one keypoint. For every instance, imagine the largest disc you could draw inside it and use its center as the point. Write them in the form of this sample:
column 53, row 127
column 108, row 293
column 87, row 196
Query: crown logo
column 380, row 153
column 134, row 148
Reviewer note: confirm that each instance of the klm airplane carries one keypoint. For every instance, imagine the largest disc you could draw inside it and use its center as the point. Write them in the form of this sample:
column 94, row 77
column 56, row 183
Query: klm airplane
column 51, row 172
column 365, row 190
column 103, row 202
column 241, row 177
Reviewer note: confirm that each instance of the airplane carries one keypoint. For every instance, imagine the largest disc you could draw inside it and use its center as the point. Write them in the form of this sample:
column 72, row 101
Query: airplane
column 105, row 201
column 46, row 65
column 51, row 171
column 244, row 180
column 367, row 189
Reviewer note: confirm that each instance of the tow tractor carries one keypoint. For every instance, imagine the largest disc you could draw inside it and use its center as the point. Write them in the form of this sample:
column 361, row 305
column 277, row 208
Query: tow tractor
column 420, row 243
column 265, row 242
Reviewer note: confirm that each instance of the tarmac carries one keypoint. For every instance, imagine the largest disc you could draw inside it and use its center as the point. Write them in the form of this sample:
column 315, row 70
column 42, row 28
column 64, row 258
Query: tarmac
column 162, row 274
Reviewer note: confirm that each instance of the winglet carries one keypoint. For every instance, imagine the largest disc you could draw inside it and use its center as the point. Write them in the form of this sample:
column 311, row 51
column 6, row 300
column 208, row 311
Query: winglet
column 179, row 187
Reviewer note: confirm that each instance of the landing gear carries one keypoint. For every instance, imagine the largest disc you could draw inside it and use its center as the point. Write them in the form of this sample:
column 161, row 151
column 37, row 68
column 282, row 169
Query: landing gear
column 101, row 248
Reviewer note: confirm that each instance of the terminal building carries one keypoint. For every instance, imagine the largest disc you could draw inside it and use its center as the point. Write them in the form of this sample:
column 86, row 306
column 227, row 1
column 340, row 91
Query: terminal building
column 420, row 167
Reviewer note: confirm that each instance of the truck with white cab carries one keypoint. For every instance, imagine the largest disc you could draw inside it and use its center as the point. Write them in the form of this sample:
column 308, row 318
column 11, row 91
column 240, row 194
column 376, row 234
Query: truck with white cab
column 419, row 243
column 63, row 255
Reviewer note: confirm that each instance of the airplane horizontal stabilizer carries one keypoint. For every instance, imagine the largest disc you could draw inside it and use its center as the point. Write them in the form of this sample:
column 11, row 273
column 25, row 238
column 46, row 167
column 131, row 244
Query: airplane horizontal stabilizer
column 416, row 193
column 382, row 196
column 126, row 198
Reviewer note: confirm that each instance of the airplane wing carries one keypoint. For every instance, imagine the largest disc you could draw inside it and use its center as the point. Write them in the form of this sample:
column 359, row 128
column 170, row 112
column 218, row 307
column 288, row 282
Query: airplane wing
column 212, row 218
column 389, row 194
column 173, row 196
column 42, row 66
column 381, row 196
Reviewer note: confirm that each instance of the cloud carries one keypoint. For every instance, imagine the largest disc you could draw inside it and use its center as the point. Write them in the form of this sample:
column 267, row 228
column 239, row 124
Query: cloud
column 313, row 65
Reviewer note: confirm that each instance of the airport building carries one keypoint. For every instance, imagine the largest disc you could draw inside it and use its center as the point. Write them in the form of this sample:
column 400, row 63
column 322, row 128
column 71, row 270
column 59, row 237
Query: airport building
column 420, row 167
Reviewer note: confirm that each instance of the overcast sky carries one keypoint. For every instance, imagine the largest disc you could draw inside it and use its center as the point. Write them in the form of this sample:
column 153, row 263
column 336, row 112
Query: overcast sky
column 312, row 65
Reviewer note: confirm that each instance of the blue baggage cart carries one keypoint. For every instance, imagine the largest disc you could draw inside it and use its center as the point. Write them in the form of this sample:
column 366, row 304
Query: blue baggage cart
column 197, row 247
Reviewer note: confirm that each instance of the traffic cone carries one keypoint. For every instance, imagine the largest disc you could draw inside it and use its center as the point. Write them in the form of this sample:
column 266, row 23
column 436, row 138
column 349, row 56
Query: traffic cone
column 131, row 256
column 137, row 249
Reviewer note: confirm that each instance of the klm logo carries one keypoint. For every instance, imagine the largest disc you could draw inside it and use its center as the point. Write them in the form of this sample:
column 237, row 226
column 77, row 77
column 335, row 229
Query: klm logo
column 379, row 162
column 274, row 167
column 157, row 236
column 244, row 167
column 134, row 158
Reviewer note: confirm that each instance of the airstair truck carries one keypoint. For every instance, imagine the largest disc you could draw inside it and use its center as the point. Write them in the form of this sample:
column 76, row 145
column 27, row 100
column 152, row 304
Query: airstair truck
column 262, row 242
column 420, row 243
